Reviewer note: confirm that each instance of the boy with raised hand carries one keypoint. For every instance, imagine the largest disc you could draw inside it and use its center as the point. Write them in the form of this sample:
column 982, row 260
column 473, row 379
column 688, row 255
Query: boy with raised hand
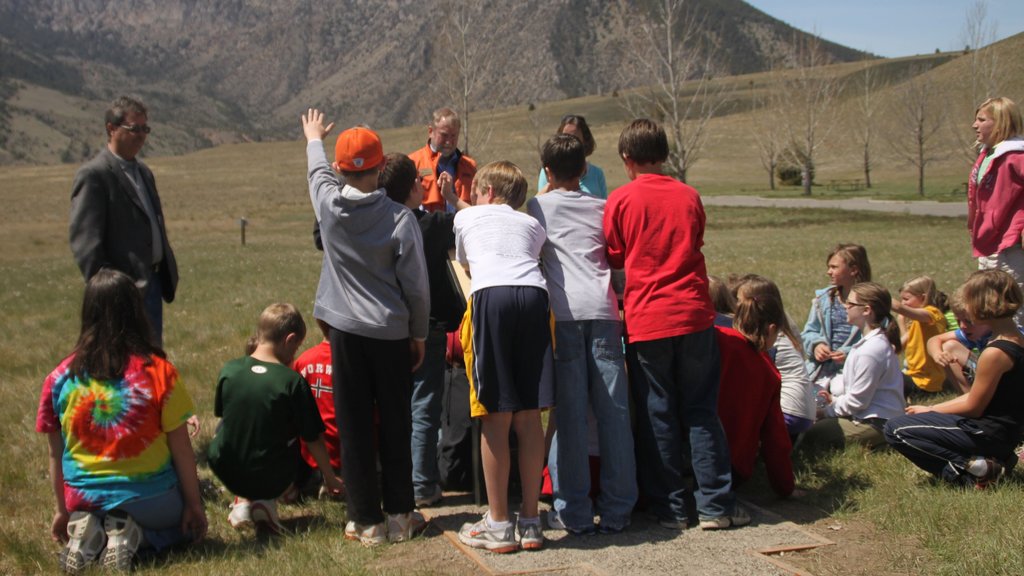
column 507, row 343
column 264, row 407
column 654, row 226
column 957, row 351
column 373, row 294
column 589, row 365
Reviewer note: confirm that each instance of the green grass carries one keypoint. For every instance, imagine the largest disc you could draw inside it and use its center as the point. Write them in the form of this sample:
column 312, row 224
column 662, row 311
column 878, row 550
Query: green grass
column 224, row 286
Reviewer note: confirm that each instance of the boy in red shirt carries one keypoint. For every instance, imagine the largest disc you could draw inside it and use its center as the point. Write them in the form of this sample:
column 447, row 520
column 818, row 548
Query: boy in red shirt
column 655, row 230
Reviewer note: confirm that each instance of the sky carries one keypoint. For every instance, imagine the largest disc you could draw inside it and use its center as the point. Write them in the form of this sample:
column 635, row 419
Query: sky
column 893, row 28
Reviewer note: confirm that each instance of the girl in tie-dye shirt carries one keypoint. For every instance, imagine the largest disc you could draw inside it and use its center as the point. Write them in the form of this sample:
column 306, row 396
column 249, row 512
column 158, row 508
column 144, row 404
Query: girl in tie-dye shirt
column 115, row 412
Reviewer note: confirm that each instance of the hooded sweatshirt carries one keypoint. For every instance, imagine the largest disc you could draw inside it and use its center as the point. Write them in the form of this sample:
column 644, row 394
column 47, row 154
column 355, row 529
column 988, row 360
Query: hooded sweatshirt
column 373, row 281
column 995, row 206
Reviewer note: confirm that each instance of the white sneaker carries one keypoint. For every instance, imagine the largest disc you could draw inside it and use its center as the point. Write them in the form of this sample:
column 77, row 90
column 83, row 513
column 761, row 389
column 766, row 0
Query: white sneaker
column 86, row 540
column 371, row 535
column 264, row 515
column 739, row 517
column 124, row 537
column 403, row 527
column 241, row 514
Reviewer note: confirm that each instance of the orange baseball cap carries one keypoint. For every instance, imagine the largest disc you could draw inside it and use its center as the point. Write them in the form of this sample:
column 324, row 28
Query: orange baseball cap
column 358, row 149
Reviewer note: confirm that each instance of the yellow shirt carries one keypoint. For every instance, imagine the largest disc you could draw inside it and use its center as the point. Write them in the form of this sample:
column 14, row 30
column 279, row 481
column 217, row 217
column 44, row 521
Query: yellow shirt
column 927, row 375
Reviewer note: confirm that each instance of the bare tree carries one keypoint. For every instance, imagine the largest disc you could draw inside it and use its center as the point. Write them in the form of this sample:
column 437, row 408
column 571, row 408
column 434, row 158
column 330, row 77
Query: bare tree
column 919, row 119
column 674, row 52
column 809, row 95
column 867, row 108
column 984, row 73
column 469, row 55
column 768, row 131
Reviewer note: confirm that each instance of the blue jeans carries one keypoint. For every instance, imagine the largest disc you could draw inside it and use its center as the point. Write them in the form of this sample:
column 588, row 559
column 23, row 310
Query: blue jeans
column 159, row 516
column 152, row 301
column 676, row 395
column 427, row 388
column 590, row 372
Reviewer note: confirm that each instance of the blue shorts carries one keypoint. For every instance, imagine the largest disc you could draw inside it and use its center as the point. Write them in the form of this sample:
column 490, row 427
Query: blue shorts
column 506, row 338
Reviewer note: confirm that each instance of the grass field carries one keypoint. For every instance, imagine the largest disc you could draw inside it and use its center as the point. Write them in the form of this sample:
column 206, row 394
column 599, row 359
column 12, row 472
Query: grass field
column 224, row 286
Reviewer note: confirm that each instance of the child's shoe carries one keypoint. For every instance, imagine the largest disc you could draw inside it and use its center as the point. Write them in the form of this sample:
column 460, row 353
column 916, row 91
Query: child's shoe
column 264, row 515
column 86, row 540
column 367, row 535
column 480, row 535
column 402, row 527
column 739, row 517
column 124, row 537
column 993, row 471
column 530, row 535
column 241, row 514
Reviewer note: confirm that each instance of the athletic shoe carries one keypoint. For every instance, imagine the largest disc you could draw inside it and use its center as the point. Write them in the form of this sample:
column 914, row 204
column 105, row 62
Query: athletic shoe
column 530, row 535
column 603, row 528
column 555, row 523
column 674, row 523
column 264, row 515
column 430, row 500
column 124, row 536
column 372, row 535
column 739, row 517
column 403, row 527
column 86, row 540
column 241, row 514
column 991, row 476
column 325, row 494
column 478, row 535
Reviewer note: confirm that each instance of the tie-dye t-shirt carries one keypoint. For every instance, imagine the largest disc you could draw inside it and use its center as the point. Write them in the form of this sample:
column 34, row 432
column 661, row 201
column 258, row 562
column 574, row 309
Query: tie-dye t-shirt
column 114, row 431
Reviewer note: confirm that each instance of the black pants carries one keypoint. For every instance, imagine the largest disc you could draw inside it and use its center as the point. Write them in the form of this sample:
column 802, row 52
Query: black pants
column 370, row 376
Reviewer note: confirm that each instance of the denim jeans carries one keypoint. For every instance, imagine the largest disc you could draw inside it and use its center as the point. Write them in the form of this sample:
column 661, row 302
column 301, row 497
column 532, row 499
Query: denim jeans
column 159, row 516
column 676, row 395
column 427, row 388
column 590, row 372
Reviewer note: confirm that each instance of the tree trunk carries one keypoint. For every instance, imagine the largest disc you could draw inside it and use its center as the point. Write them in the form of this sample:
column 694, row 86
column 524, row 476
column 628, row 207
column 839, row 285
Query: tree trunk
column 805, row 176
column 867, row 167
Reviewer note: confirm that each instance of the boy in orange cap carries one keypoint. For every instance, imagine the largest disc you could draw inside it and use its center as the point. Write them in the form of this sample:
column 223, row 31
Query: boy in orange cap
column 373, row 294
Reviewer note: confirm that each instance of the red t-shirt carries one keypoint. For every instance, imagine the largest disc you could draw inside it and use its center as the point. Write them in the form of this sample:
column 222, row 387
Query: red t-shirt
column 315, row 366
column 748, row 404
column 655, row 230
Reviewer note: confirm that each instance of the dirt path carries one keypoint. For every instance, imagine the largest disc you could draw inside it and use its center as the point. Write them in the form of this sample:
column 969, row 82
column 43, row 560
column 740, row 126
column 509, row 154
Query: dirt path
column 917, row 208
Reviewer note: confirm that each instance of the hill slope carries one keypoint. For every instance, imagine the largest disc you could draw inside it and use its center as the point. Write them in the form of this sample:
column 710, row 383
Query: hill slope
column 235, row 70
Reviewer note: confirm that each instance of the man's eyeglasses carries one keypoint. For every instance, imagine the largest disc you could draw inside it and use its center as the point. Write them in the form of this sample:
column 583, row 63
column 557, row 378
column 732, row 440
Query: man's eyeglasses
column 136, row 128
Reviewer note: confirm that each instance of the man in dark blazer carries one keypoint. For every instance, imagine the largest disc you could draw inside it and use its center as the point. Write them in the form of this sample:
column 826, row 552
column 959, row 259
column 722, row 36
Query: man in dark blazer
column 116, row 219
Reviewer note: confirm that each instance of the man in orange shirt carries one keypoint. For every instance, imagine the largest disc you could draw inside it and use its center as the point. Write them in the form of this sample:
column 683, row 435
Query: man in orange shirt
column 442, row 155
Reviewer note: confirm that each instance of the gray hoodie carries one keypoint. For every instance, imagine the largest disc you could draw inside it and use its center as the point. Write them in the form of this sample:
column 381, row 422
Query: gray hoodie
column 374, row 278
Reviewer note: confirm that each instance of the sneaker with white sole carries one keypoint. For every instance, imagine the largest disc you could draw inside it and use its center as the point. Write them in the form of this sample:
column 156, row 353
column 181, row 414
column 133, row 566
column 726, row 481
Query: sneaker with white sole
column 479, row 535
column 993, row 471
column 264, row 515
column 554, row 520
column 432, row 499
column 367, row 535
column 739, row 517
column 124, row 537
column 403, row 527
column 241, row 514
column 530, row 535
column 86, row 540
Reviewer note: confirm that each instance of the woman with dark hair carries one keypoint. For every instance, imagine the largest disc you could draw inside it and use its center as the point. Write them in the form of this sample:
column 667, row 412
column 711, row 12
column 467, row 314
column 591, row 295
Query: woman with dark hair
column 121, row 463
column 995, row 190
column 593, row 179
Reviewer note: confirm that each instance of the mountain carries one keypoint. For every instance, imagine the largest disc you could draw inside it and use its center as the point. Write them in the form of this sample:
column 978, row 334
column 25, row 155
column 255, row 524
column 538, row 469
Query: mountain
column 223, row 71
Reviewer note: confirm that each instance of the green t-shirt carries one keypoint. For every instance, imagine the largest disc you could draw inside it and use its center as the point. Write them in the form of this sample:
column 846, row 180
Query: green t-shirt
column 264, row 409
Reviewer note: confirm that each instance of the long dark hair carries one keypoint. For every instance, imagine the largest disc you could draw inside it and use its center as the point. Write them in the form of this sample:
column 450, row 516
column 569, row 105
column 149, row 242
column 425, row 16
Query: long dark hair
column 114, row 327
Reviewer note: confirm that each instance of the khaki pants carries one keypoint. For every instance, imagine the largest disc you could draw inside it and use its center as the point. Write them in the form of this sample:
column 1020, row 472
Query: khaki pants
column 839, row 432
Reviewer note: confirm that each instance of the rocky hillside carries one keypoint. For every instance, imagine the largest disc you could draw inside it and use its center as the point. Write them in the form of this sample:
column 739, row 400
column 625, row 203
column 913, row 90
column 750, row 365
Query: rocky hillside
column 229, row 70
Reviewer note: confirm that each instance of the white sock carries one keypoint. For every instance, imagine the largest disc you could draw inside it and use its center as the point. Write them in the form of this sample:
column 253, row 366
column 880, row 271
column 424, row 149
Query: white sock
column 523, row 521
column 495, row 525
column 977, row 466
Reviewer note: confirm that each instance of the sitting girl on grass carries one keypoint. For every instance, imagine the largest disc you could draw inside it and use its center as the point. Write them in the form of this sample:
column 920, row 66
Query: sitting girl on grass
column 121, row 463
column 750, row 385
column 967, row 441
column 870, row 389
column 920, row 320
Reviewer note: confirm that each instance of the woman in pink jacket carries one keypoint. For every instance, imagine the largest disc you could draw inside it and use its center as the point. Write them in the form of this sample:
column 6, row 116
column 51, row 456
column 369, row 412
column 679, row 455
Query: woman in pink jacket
column 995, row 190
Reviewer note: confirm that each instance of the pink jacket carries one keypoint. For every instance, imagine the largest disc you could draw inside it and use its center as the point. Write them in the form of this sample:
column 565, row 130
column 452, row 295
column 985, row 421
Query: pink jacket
column 995, row 208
